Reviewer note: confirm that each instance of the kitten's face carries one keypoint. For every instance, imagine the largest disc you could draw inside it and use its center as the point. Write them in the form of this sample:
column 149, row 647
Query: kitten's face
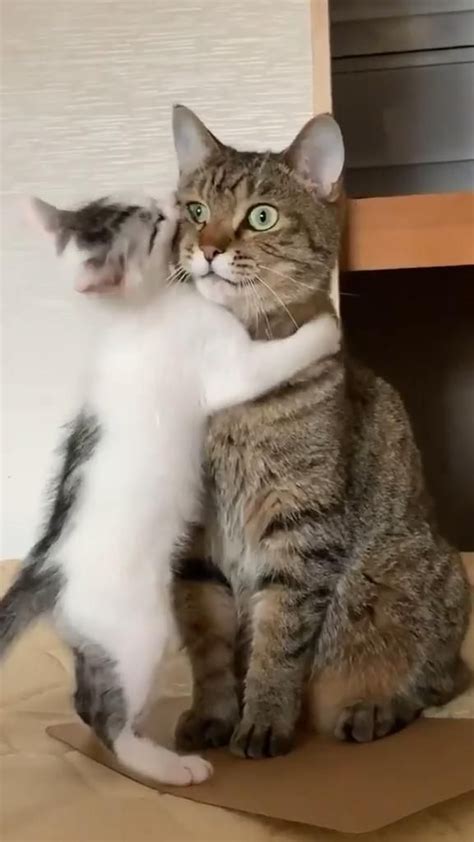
column 115, row 246
column 254, row 233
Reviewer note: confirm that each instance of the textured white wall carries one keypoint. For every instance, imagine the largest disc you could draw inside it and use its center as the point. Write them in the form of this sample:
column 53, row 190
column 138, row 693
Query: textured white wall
column 88, row 87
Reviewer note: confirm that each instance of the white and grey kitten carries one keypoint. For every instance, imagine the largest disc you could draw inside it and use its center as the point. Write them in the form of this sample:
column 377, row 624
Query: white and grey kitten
column 130, row 477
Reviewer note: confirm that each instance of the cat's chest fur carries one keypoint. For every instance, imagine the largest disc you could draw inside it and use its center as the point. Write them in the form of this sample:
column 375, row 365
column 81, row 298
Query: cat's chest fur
column 235, row 471
column 278, row 451
column 239, row 464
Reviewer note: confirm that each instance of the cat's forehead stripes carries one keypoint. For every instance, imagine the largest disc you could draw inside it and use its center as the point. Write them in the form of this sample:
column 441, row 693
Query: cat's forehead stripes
column 235, row 181
column 231, row 174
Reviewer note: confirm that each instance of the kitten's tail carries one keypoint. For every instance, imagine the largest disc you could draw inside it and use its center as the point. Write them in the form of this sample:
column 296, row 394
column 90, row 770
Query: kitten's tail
column 33, row 593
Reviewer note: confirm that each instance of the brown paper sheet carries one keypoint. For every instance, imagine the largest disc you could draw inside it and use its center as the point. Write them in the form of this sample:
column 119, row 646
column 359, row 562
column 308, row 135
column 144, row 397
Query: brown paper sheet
column 345, row 787
column 51, row 793
column 323, row 783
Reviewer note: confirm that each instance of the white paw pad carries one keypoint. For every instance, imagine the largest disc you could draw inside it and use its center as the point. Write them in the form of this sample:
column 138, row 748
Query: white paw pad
column 187, row 770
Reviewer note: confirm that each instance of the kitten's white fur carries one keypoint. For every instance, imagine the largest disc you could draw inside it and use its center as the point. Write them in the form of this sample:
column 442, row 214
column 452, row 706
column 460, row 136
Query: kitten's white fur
column 166, row 359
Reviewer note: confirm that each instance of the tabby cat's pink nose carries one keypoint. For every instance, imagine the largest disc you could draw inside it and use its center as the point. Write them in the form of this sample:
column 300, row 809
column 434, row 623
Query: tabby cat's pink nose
column 210, row 252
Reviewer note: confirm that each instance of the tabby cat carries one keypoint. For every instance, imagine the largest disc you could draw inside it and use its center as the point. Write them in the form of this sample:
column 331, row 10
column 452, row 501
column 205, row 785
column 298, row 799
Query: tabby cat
column 322, row 575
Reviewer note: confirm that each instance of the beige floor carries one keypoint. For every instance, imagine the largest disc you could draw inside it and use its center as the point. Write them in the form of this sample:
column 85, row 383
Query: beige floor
column 52, row 794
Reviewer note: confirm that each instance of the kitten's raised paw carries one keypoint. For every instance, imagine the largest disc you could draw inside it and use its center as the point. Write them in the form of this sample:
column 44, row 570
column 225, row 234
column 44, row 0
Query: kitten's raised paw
column 365, row 721
column 195, row 731
column 253, row 740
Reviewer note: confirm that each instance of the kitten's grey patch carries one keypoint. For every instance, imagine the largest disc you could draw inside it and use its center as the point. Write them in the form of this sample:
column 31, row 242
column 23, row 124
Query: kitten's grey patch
column 94, row 225
column 38, row 585
column 153, row 235
column 98, row 222
column 34, row 592
column 82, row 694
column 78, row 447
column 99, row 698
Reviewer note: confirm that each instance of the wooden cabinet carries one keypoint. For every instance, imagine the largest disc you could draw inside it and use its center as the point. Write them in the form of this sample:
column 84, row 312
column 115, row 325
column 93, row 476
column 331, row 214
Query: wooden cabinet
column 403, row 232
column 403, row 92
column 407, row 283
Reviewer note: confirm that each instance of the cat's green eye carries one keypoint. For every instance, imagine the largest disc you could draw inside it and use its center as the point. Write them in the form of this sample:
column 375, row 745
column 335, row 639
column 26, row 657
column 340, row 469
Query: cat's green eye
column 198, row 212
column 262, row 217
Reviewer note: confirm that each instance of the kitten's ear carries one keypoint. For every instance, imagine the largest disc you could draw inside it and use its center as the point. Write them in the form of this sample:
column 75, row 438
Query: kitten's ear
column 194, row 143
column 43, row 215
column 47, row 217
column 317, row 155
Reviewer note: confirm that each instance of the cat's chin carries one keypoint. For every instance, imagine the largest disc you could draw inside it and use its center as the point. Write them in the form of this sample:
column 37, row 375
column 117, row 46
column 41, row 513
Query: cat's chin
column 216, row 289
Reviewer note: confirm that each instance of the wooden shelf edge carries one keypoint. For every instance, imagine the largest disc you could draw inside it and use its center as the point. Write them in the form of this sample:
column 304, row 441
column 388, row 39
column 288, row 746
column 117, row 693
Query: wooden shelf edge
column 401, row 232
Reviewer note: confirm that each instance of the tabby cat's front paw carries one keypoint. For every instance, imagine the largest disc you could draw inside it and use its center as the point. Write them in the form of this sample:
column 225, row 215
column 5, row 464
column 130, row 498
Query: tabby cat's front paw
column 261, row 739
column 195, row 731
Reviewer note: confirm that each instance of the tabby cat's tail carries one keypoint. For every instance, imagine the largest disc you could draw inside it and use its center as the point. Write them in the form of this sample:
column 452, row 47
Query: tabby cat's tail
column 33, row 593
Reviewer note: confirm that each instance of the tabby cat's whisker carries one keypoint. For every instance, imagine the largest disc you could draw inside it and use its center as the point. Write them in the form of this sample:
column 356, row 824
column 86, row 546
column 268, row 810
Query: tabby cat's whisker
column 172, row 274
column 277, row 298
column 308, row 286
column 248, row 296
column 259, row 310
column 258, row 298
column 176, row 276
column 288, row 278
column 248, row 305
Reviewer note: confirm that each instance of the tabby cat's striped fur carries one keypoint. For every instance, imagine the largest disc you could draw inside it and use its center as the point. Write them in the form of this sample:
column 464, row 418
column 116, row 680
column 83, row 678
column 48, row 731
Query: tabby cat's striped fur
column 322, row 566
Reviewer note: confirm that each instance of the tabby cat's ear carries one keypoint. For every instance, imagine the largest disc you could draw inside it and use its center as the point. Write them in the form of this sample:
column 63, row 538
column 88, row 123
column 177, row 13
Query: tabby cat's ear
column 317, row 155
column 194, row 143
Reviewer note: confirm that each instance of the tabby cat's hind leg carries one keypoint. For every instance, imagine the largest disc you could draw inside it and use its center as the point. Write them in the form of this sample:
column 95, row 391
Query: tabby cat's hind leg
column 206, row 615
column 390, row 643
column 367, row 721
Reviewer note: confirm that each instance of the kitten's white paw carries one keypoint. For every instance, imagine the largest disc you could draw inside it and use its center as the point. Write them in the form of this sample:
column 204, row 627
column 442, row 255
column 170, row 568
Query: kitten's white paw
column 152, row 761
column 200, row 769
column 329, row 338
column 184, row 771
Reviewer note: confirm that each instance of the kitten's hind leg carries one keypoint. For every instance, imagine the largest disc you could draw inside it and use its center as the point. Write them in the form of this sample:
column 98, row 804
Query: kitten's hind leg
column 117, row 692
